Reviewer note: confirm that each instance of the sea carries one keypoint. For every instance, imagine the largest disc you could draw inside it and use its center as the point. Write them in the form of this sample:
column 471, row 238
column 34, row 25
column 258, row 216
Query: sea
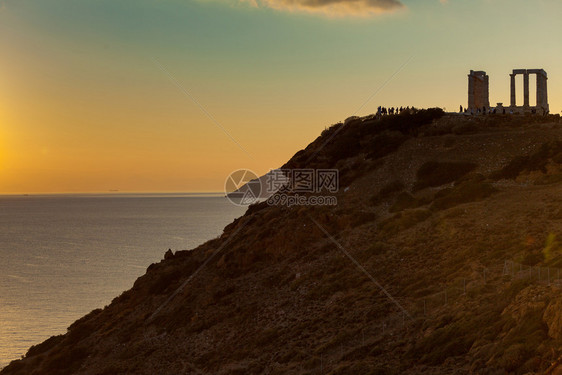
column 62, row 256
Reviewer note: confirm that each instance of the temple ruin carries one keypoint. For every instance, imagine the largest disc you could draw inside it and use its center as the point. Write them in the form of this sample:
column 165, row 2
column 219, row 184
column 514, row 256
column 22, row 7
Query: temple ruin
column 479, row 86
column 478, row 91
column 542, row 93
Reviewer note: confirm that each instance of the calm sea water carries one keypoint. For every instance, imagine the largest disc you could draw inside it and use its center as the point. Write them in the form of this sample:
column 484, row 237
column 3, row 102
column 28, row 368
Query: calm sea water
column 62, row 256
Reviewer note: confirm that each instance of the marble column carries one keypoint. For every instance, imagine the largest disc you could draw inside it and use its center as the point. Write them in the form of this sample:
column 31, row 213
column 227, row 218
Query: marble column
column 544, row 95
column 542, row 92
column 526, row 90
column 486, row 91
column 471, row 90
column 513, row 92
column 539, row 90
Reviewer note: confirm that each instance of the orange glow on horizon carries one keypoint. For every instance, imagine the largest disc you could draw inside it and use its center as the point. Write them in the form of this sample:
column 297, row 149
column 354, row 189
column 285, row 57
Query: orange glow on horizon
column 84, row 108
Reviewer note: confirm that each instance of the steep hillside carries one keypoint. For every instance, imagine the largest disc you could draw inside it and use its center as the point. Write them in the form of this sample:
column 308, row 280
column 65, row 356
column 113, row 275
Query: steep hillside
column 441, row 257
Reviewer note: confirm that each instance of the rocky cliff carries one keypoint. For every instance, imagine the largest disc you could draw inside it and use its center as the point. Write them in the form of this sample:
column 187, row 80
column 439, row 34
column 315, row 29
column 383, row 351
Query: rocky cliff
column 441, row 257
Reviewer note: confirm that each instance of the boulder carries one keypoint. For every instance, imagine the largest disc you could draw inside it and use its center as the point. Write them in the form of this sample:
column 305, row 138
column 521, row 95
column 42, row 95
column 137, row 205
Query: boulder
column 169, row 254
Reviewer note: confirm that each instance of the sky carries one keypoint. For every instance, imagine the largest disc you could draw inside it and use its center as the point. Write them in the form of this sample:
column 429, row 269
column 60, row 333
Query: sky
column 174, row 95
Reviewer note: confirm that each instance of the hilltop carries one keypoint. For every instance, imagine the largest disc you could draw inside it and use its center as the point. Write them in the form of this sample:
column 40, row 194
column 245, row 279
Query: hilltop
column 457, row 218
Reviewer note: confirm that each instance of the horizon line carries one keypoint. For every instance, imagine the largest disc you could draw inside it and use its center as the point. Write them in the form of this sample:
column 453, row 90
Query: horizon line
column 116, row 193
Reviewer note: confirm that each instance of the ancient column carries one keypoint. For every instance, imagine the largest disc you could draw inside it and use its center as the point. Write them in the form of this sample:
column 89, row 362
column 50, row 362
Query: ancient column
column 478, row 91
column 471, row 90
column 486, row 92
column 526, row 89
column 544, row 95
column 540, row 100
column 513, row 92
column 542, row 92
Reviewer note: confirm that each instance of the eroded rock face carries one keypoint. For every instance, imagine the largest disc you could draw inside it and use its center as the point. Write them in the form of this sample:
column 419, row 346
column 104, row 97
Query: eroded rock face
column 530, row 300
column 553, row 318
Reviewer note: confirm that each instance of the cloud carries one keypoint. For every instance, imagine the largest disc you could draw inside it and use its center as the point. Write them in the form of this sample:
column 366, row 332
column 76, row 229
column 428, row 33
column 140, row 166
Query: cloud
column 334, row 8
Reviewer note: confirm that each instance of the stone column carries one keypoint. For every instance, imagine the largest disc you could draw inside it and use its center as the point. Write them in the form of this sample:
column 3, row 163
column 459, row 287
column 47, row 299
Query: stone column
column 486, row 91
column 513, row 92
column 540, row 90
column 471, row 90
column 526, row 90
column 544, row 95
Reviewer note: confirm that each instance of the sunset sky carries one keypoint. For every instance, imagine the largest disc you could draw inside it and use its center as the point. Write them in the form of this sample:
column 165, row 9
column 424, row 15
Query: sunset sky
column 117, row 94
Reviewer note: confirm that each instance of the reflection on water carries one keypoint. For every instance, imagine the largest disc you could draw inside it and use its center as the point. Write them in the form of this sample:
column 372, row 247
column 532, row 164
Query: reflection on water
column 63, row 256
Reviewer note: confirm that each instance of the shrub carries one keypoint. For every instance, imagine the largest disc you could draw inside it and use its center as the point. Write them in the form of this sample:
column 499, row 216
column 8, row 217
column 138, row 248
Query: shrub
column 83, row 327
column 404, row 201
column 44, row 346
column 384, row 144
column 528, row 163
column 344, row 141
column 410, row 122
column 343, row 146
column 15, row 367
column 515, row 167
column 466, row 192
column 66, row 361
column 391, row 187
column 404, row 220
column 455, row 338
column 362, row 217
column 164, row 279
column 387, row 191
column 435, row 173
column 549, row 179
column 449, row 341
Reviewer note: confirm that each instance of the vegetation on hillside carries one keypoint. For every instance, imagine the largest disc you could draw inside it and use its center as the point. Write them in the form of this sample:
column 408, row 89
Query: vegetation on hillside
column 455, row 217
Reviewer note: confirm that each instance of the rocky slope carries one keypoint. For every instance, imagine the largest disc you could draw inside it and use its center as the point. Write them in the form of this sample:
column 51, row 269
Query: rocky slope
column 440, row 257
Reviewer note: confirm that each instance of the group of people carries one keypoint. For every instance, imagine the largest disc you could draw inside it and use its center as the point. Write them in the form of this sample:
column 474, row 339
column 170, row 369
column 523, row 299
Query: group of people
column 493, row 111
column 481, row 111
column 381, row 111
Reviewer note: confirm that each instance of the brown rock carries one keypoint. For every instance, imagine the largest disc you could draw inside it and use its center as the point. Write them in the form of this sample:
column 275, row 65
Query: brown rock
column 553, row 318
column 169, row 254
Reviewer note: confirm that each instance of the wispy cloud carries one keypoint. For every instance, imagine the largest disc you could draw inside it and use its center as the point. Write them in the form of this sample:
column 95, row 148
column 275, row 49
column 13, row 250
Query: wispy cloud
column 332, row 8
